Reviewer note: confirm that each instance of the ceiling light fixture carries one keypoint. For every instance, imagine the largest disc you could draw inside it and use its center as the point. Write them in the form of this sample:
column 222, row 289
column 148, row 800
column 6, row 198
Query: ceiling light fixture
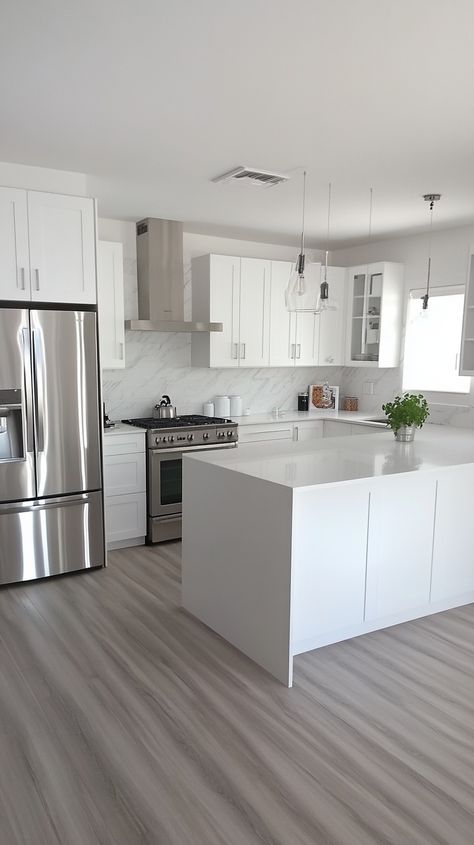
column 431, row 198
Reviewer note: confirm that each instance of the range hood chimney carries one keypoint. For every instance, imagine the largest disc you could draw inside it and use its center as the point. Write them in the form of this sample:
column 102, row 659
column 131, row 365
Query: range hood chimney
column 161, row 280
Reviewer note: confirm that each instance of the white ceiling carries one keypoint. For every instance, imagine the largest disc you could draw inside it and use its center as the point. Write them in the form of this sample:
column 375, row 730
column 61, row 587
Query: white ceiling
column 154, row 98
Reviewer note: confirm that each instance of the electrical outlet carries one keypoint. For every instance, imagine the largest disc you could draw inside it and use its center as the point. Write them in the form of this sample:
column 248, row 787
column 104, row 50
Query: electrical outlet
column 368, row 388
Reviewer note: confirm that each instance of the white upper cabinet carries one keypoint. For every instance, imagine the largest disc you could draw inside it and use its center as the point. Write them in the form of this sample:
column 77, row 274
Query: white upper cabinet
column 282, row 323
column 236, row 292
column 467, row 342
column 47, row 247
column 14, row 253
column 254, row 312
column 332, row 323
column 374, row 315
column 247, row 295
column 62, row 248
column 111, row 305
column 215, row 292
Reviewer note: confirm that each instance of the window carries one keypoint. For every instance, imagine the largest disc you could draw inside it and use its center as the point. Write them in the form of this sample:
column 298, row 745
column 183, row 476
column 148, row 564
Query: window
column 433, row 342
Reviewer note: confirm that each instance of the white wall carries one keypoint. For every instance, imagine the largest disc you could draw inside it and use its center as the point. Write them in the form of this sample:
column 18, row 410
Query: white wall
column 450, row 252
column 160, row 363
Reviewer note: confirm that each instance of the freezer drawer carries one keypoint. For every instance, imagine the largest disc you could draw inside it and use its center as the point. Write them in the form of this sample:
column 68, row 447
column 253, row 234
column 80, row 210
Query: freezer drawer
column 50, row 537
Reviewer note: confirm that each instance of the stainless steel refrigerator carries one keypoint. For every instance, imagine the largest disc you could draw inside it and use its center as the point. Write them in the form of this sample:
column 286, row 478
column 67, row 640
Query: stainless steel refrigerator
column 51, row 508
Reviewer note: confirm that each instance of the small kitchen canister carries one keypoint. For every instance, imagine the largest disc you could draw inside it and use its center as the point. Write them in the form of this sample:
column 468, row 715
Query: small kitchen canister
column 303, row 401
column 351, row 403
column 235, row 406
column 222, row 406
column 208, row 409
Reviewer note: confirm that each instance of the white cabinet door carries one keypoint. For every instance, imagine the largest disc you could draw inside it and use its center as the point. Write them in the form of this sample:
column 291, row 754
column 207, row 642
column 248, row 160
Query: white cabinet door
column 254, row 311
column 263, row 433
column 328, row 574
column 453, row 554
column 14, row 253
column 224, row 307
column 125, row 517
column 62, row 248
column 111, row 305
column 332, row 323
column 282, row 322
column 308, row 430
column 336, row 429
column 124, row 474
column 307, row 340
column 400, row 544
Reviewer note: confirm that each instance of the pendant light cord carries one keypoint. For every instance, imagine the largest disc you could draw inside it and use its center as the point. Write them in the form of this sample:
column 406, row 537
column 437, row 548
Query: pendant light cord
column 369, row 235
column 304, row 203
column 327, row 233
column 430, row 236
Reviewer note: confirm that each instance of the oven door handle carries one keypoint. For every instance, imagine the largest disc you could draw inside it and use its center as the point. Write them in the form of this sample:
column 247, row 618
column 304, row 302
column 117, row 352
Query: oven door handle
column 179, row 450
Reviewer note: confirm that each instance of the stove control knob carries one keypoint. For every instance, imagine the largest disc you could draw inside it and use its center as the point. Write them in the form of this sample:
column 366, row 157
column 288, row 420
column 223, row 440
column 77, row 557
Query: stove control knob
column 190, row 436
column 171, row 439
column 221, row 434
column 157, row 440
column 205, row 436
column 230, row 433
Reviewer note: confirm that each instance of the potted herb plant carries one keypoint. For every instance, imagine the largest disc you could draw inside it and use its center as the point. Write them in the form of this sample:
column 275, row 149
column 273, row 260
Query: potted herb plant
column 405, row 414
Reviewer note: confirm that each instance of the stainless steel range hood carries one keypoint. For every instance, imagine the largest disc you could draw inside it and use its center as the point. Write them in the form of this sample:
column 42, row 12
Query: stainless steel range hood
column 161, row 280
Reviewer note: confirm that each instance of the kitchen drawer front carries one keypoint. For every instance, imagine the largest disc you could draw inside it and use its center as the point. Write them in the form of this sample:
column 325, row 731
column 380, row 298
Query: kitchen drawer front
column 336, row 429
column 124, row 444
column 125, row 517
column 259, row 434
column 124, row 474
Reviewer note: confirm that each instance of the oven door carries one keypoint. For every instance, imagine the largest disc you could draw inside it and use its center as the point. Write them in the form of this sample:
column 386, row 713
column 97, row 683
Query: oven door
column 165, row 473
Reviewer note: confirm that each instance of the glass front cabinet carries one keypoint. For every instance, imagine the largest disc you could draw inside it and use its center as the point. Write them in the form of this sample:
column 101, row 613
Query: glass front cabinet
column 374, row 315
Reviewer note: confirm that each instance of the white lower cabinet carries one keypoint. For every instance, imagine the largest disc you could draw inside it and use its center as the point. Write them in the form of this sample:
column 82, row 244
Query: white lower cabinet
column 262, row 433
column 124, row 488
column 308, row 430
column 400, row 545
column 453, row 559
column 337, row 429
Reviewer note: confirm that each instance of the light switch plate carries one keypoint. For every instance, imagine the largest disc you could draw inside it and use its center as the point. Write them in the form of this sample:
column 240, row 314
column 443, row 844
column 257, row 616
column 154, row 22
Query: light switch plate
column 368, row 388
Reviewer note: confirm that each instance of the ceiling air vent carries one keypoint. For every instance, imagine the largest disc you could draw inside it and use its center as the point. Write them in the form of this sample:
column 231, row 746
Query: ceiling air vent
column 246, row 175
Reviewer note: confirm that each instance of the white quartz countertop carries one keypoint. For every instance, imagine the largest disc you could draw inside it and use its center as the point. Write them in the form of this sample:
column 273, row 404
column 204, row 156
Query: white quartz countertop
column 355, row 417
column 123, row 428
column 334, row 460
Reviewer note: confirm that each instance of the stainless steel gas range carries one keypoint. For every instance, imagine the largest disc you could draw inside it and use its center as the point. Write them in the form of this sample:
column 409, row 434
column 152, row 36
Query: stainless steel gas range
column 167, row 441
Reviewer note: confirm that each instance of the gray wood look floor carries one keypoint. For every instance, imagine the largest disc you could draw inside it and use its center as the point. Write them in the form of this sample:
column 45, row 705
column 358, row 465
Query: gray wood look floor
column 124, row 721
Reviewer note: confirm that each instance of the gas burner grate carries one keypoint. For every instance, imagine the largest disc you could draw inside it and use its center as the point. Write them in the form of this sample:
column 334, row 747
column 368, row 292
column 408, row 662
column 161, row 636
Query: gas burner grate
column 184, row 421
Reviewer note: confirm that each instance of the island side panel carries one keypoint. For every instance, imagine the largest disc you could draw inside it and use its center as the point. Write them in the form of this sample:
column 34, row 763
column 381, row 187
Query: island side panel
column 329, row 563
column 236, row 569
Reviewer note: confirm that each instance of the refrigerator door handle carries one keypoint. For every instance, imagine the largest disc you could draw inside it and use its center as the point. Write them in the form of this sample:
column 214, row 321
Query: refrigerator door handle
column 38, row 367
column 28, row 389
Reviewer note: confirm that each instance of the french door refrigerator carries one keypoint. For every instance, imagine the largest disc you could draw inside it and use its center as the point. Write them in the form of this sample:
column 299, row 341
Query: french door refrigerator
column 51, row 508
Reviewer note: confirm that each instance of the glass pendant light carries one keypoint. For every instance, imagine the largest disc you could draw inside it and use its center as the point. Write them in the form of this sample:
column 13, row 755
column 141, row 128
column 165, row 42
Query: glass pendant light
column 431, row 198
column 308, row 290
column 297, row 288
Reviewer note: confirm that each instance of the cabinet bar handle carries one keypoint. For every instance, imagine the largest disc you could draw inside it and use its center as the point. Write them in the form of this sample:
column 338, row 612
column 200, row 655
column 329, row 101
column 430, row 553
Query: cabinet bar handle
column 242, row 354
column 292, row 351
column 22, row 278
column 298, row 347
column 37, row 278
column 121, row 351
column 235, row 353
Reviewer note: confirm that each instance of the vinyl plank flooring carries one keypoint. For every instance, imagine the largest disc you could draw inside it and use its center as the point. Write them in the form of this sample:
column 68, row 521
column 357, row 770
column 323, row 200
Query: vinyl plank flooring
column 125, row 721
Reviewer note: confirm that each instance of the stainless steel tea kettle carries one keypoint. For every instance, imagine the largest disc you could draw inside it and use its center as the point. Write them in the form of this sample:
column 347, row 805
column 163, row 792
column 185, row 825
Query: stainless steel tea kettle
column 164, row 410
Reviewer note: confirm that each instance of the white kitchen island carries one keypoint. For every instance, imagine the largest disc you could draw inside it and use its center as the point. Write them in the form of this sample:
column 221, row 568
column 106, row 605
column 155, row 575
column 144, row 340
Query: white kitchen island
column 288, row 547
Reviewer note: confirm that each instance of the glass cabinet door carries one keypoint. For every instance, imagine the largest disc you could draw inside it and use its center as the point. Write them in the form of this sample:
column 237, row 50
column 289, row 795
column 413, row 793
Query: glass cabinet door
column 366, row 314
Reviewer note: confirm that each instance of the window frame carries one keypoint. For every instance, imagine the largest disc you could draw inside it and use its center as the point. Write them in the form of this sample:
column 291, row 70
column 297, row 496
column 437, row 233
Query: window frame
column 437, row 291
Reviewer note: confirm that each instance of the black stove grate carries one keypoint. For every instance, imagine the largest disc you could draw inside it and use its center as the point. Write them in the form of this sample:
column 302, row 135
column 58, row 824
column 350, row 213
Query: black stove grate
column 184, row 421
